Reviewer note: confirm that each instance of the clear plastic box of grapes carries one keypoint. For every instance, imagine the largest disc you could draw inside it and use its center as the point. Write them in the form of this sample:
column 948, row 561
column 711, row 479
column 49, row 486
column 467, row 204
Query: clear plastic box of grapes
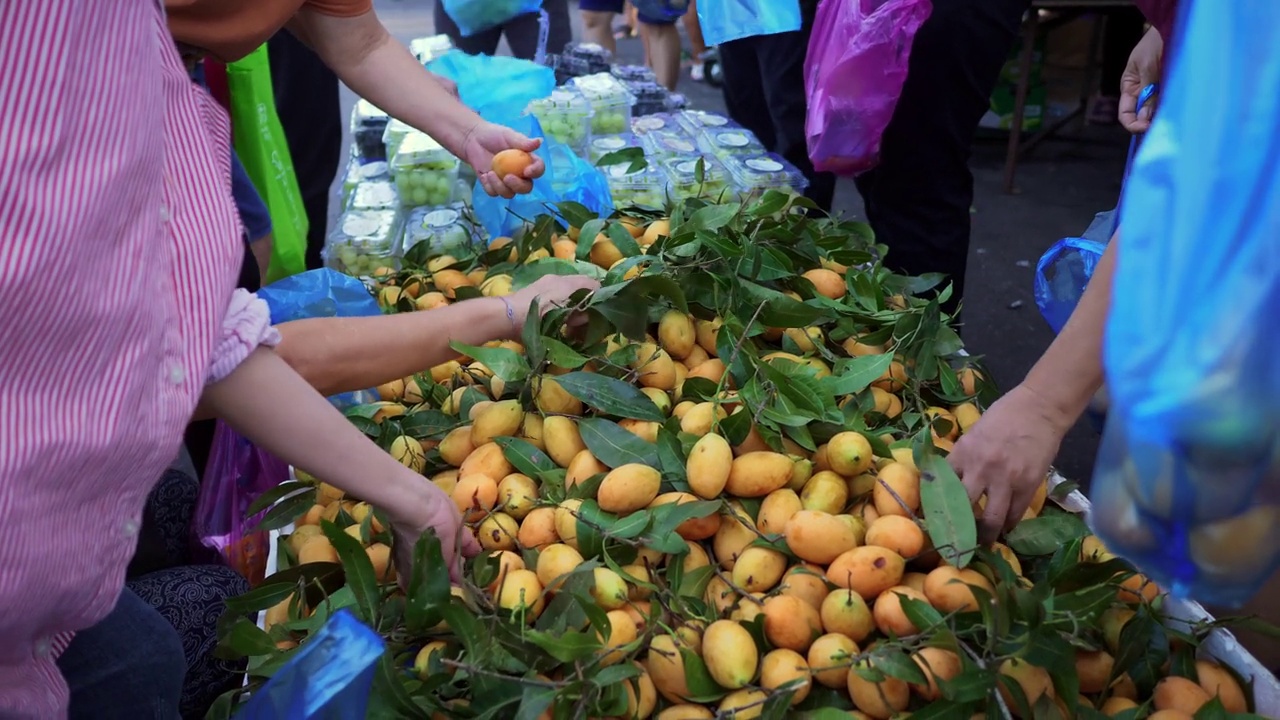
column 375, row 195
column 669, row 143
column 358, row 172
column 754, row 174
column 606, row 144
column 585, row 58
column 446, row 230
column 610, row 101
column 368, row 124
column 363, row 241
column 729, row 142
column 695, row 121
column 650, row 96
column 565, row 116
column 687, row 180
column 643, row 188
column 425, row 173
column 646, row 124
column 395, row 134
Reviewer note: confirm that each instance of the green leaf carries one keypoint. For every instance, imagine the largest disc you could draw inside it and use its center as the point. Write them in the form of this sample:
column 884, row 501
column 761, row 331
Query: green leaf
column 631, row 526
column 525, row 457
column 972, row 685
column 896, row 664
column 575, row 214
column 702, row 688
column 671, row 455
column 270, row 497
column 947, row 513
column 736, row 427
column 358, row 570
column 1144, row 647
column 853, row 375
column 428, row 423
column 563, row 356
column 610, row 396
column 388, row 686
column 587, row 237
column 535, row 700
column 921, row 614
column 666, row 518
column 711, row 217
column 428, row 590
column 271, row 592
column 1043, row 535
column 591, row 522
column 632, row 157
column 531, row 336
column 567, row 647
column 504, row 362
column 622, row 240
column 285, row 512
column 779, row 310
column 614, row 446
column 526, row 275
column 245, row 639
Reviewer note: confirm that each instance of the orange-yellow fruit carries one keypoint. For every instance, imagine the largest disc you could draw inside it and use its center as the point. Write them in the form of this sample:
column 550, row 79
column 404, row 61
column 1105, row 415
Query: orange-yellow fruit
column 783, row 668
column 818, row 537
column 849, row 454
column 622, row 632
column 556, row 561
column 538, row 529
column 778, row 507
column 317, row 549
column 507, row 561
column 1034, row 681
column 826, row 491
column 894, row 378
column 1181, row 694
column 900, row 534
column 567, row 520
column 744, row 704
column 730, row 654
column 629, row 488
column 582, row 467
column 693, row 529
column 1116, row 705
column 890, row 618
column 829, row 658
column 677, row 334
column 488, row 460
column 845, row 612
column 805, row 582
column 517, row 495
column 790, row 622
column 456, row 446
column 521, row 591
column 827, row 283
column 562, row 439
column 897, row 485
column 736, row 532
column 552, row 399
column 1094, row 670
column 867, row 570
column 709, row 466
column 685, row 711
column 759, row 569
column 655, row 230
column 758, row 474
column 713, row 370
column 701, row 418
column 666, row 667
column 951, row 590
column 1219, row 682
column 936, row 664
column 880, row 700
column 511, row 162
column 475, row 495
column 498, row 532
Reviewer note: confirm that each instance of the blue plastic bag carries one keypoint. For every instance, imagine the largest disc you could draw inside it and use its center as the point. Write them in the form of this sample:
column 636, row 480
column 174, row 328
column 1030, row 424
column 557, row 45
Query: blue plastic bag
column 723, row 21
column 568, row 177
column 318, row 293
column 329, row 677
column 661, row 9
column 499, row 88
column 476, row 16
column 1188, row 478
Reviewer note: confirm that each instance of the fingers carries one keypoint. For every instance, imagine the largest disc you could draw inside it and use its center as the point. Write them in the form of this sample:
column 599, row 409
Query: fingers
column 536, row 169
column 517, row 185
column 520, row 142
column 470, row 546
column 493, row 186
column 996, row 514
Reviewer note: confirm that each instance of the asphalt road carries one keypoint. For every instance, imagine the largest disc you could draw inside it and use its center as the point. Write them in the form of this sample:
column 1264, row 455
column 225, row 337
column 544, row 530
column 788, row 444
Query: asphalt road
column 1061, row 186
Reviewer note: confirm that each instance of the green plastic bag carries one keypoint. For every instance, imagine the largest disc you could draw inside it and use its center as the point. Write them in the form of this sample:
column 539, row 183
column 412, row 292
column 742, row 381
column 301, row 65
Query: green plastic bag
column 260, row 143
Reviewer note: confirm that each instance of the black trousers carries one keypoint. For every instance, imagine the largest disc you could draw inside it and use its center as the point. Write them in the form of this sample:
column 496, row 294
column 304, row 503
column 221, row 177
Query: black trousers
column 307, row 102
column 764, row 92
column 918, row 199
column 521, row 32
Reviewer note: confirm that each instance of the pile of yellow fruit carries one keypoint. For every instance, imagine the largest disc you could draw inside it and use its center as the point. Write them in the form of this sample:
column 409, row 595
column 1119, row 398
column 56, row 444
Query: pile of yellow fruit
column 795, row 582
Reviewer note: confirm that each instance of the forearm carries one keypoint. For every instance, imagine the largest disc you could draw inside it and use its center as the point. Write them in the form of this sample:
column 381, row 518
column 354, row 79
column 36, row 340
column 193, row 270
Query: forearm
column 381, row 70
column 273, row 406
column 345, row 354
column 1070, row 371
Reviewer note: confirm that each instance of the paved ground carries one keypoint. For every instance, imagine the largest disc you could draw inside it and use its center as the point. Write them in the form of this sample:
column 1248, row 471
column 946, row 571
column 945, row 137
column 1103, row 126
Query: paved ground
column 1062, row 185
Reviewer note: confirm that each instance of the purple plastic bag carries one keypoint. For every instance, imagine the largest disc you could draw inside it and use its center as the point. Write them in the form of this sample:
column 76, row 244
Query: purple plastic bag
column 237, row 473
column 853, row 76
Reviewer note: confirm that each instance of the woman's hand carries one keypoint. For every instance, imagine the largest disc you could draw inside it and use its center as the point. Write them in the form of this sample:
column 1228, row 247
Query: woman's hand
column 486, row 139
column 552, row 291
column 1006, row 455
column 429, row 508
column 1143, row 70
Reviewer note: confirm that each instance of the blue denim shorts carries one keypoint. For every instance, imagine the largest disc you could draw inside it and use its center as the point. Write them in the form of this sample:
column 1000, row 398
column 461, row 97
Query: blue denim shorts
column 616, row 6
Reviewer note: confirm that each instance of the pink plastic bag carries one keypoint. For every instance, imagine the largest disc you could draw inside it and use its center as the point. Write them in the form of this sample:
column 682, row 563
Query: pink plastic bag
column 853, row 76
column 237, row 473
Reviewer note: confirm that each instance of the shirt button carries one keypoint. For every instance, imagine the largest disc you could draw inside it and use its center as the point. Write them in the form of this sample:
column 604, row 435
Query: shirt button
column 44, row 647
column 130, row 528
column 177, row 375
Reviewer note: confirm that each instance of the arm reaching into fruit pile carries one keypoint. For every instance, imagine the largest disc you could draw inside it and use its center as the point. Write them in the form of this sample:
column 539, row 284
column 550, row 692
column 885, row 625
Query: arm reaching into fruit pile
column 380, row 69
column 1007, row 454
column 338, row 354
column 269, row 403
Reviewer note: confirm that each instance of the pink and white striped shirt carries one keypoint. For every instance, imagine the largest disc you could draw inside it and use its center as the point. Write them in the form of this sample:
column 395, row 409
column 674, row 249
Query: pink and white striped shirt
column 119, row 250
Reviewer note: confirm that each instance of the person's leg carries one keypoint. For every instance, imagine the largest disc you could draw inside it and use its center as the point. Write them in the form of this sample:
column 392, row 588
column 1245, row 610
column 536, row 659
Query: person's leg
column 306, row 94
column 522, row 32
column 482, row 43
column 191, row 599
column 697, row 45
column 743, row 89
column 662, row 46
column 781, row 66
column 597, row 22
column 129, row 666
column 918, row 198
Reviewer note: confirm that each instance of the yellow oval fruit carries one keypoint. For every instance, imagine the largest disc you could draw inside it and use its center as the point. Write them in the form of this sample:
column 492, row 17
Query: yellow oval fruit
column 888, row 614
column 507, row 561
column 685, row 711
column 391, row 391
column 966, row 415
column 801, row 473
column 759, row 569
column 818, row 537
column 655, row 230
column 846, row 612
column 880, row 700
column 786, row 670
column 708, row 331
column 629, row 488
column 1220, row 683
column 409, row 452
column 475, row 495
column 521, row 592
column 693, row 529
column 498, row 532
column 538, row 529
column 609, row 590
column 736, row 532
column 849, row 454
column 701, row 418
column 654, row 367
column 790, row 622
column 709, row 466
column 676, row 334
column 642, row 696
column 829, row 658
column 730, row 654
column 757, row 474
column 556, row 561
column 900, row 534
column 778, row 507
column 937, row 664
column 488, row 460
column 646, row 430
column 1034, row 681
column 562, row 439
column 517, row 495
column 867, row 570
column 806, row 582
column 745, row 704
column 502, row 419
column 661, row 398
column 567, row 521
column 551, row 398
column 897, row 486
column 622, row 632
column 826, row 492
column 1180, row 694
column 583, row 467
column 951, row 590
column 666, row 667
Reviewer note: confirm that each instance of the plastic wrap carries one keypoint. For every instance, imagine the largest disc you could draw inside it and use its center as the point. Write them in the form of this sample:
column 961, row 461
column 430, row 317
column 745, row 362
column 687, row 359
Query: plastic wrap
column 1187, row 484
column 425, row 173
column 363, row 241
column 753, row 174
column 393, row 135
column 375, row 195
column 565, row 116
column 445, row 230
column 610, row 102
column 650, row 97
column 634, row 73
column 646, row 188
column 359, row 172
column 237, row 473
column 606, row 144
column 729, row 142
column 684, row 181
column 846, row 119
column 659, row 144
column 585, row 59
column 476, row 16
column 658, row 121
column 499, row 87
column 695, row 121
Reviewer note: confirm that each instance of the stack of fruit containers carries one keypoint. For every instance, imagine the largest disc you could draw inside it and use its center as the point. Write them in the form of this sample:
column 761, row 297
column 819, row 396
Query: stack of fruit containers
column 424, row 172
column 753, row 174
column 445, row 229
column 363, row 241
column 684, row 181
column 565, row 116
column 610, row 101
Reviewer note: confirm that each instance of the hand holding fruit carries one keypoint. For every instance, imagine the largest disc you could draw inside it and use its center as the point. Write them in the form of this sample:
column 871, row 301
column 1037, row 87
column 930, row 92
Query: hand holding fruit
column 1142, row 70
column 552, row 291
column 501, row 159
column 1006, row 456
column 430, row 509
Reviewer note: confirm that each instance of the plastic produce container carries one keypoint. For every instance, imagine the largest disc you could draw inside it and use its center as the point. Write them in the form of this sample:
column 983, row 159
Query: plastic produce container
column 606, row 144
column 682, row 175
column 359, row 172
column 695, row 121
column 565, row 116
column 446, row 229
column 425, row 173
column 580, row 59
column 634, row 73
column 395, row 134
column 728, row 142
column 669, row 143
column 754, row 174
column 650, row 96
column 646, row 187
column 676, row 101
column 610, row 101
column 368, row 123
column 363, row 241
column 645, row 124
column 426, row 49
column 375, row 195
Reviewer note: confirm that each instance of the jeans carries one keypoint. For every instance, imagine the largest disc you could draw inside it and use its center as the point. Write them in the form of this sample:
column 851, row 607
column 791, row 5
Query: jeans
column 764, row 92
column 129, row 666
column 918, row 198
column 522, row 32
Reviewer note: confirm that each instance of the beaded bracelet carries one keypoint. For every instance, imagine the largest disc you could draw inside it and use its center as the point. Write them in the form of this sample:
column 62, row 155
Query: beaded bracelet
column 511, row 315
